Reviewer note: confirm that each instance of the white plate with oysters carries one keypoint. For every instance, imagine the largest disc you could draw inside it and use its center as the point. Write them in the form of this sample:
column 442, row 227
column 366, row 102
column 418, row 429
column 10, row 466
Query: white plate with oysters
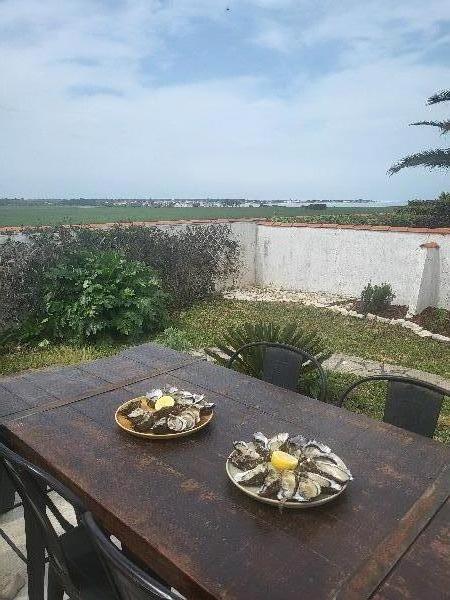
column 165, row 413
column 287, row 471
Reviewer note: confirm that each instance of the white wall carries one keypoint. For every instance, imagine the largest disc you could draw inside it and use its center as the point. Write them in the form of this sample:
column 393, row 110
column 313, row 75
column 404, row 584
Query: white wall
column 343, row 261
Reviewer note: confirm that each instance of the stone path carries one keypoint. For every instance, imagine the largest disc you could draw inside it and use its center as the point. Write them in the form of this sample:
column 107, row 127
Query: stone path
column 344, row 363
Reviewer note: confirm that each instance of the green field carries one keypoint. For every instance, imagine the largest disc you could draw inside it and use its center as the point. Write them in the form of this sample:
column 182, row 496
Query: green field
column 54, row 215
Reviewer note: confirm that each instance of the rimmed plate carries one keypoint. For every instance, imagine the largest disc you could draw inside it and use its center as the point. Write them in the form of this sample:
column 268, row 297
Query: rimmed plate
column 160, row 436
column 252, row 491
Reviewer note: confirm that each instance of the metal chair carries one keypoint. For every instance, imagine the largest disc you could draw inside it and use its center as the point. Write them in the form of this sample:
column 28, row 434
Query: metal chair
column 411, row 404
column 73, row 563
column 129, row 581
column 282, row 365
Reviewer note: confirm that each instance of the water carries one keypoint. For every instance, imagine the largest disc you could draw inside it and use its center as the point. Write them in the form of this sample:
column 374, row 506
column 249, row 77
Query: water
column 350, row 203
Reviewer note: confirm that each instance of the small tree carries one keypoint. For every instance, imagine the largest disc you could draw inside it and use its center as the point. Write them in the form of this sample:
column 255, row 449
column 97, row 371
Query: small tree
column 438, row 158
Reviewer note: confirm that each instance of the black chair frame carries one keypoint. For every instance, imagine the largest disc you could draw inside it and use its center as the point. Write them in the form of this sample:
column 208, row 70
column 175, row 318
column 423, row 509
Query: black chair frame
column 396, row 410
column 127, row 580
column 31, row 483
column 306, row 358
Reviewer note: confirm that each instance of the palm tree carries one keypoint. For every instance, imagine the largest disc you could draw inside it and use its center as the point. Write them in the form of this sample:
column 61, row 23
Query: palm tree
column 439, row 158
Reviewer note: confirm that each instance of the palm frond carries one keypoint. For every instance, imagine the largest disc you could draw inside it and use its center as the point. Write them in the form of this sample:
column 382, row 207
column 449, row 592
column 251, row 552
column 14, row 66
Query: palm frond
column 441, row 96
column 443, row 125
column 432, row 159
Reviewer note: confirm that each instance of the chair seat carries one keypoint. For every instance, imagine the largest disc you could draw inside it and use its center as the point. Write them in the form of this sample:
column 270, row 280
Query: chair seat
column 86, row 570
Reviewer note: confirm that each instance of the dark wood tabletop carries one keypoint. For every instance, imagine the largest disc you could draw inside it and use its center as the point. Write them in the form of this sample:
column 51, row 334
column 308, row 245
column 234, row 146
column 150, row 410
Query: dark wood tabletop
column 173, row 506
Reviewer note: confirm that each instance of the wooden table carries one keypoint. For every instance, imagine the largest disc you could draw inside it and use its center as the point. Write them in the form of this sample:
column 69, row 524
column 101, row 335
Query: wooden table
column 171, row 503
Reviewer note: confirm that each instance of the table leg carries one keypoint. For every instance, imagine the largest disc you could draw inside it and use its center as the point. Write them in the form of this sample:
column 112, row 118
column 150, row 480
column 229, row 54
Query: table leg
column 35, row 556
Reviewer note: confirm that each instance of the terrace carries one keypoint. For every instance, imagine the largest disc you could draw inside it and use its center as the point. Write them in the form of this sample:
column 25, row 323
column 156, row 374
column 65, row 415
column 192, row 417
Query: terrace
column 236, row 281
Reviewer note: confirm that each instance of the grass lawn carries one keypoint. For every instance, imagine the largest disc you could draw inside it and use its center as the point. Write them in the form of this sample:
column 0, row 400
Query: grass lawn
column 202, row 325
column 54, row 215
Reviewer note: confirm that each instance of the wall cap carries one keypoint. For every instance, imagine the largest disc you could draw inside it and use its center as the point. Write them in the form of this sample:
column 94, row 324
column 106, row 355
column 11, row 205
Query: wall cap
column 21, row 229
column 437, row 231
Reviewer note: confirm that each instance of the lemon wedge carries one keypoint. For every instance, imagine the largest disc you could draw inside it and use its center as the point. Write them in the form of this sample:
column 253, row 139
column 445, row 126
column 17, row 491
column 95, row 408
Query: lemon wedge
column 282, row 460
column 163, row 402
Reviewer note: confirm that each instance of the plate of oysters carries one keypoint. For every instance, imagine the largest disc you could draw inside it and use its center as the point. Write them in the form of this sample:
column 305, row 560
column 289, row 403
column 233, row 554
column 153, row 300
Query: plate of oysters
column 287, row 471
column 165, row 413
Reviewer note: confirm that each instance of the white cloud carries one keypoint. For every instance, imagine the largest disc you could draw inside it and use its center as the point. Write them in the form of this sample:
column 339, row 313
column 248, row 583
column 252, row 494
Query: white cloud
column 331, row 136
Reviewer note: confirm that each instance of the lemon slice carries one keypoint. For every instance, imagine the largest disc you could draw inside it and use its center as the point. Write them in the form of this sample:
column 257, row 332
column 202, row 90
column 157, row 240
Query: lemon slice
column 163, row 402
column 282, row 460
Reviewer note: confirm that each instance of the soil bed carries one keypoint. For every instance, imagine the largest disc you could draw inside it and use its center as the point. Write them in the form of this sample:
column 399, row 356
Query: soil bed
column 436, row 320
column 394, row 311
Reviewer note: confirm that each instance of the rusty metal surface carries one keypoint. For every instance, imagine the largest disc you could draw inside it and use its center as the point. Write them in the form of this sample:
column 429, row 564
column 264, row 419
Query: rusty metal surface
column 172, row 505
column 42, row 390
column 424, row 570
column 367, row 578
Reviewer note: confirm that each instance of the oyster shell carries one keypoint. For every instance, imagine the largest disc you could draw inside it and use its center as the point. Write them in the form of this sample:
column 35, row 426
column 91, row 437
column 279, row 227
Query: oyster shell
column 307, row 489
column 245, row 456
column 252, row 477
column 330, row 469
column 288, row 486
column 324, row 482
column 271, row 484
column 278, row 442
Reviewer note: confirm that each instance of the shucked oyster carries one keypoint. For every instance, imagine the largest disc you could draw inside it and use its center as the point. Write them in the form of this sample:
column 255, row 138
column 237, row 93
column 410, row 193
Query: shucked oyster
column 245, row 456
column 253, row 476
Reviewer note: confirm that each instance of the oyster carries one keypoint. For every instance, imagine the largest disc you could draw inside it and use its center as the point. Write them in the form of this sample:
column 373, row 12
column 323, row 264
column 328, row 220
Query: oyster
column 324, row 482
column 329, row 468
column 160, row 426
column 278, row 441
column 252, row 477
column 245, row 456
column 154, row 394
column 145, row 425
column 136, row 415
column 261, row 440
column 271, row 484
column 288, row 482
column 307, row 489
column 187, row 419
column 130, row 406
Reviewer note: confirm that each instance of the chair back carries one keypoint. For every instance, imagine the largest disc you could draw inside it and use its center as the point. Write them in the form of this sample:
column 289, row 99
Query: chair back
column 128, row 581
column 410, row 404
column 31, row 484
column 282, row 365
column 413, row 407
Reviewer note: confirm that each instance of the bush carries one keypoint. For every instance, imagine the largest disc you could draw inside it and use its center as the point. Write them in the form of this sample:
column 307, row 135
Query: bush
column 100, row 294
column 174, row 338
column 251, row 362
column 376, row 298
column 189, row 262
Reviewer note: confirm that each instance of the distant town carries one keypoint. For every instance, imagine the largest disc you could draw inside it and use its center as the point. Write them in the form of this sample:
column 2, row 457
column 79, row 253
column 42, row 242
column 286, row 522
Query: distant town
column 172, row 202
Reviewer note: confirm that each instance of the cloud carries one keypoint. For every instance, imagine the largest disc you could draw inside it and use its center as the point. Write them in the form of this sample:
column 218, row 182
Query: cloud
column 316, row 106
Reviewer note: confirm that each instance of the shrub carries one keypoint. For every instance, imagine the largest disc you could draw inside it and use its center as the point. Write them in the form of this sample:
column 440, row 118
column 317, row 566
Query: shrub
column 101, row 294
column 251, row 362
column 189, row 262
column 376, row 298
column 174, row 338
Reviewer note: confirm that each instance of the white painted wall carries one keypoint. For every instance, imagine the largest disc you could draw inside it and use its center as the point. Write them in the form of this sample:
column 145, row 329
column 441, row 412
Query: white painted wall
column 343, row 261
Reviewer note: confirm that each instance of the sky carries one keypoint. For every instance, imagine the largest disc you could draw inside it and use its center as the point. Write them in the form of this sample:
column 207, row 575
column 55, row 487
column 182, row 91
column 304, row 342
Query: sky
column 210, row 98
